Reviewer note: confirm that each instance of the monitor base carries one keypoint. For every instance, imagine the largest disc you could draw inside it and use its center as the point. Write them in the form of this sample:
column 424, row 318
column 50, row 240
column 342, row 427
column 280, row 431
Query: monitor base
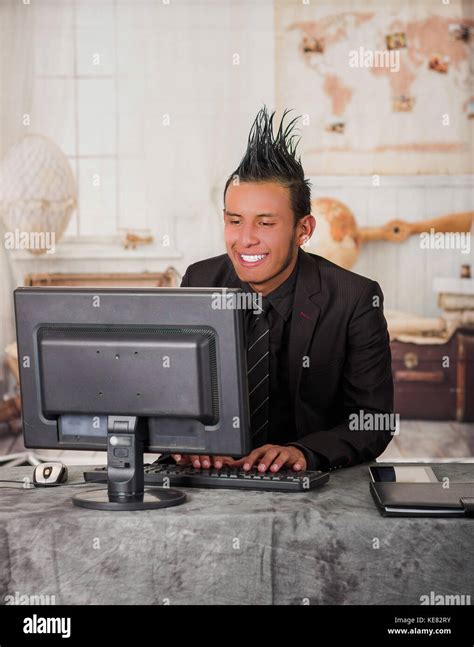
column 150, row 500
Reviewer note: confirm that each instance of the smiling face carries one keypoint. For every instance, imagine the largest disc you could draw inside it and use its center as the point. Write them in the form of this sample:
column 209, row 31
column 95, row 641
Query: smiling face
column 260, row 234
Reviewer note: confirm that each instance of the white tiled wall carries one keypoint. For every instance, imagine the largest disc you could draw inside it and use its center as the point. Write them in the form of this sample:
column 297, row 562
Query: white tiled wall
column 97, row 182
column 146, row 96
column 135, row 169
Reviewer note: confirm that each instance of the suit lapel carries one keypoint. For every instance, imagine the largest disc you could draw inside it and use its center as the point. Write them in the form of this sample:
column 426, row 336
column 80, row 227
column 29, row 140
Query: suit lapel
column 305, row 316
column 231, row 279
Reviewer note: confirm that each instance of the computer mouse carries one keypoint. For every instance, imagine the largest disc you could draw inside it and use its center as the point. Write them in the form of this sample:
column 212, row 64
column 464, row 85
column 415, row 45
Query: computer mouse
column 48, row 474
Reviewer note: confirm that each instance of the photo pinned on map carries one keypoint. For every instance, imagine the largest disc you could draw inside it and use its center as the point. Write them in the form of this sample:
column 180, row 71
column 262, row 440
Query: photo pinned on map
column 336, row 127
column 312, row 45
column 397, row 40
column 403, row 103
column 470, row 108
column 439, row 63
column 459, row 32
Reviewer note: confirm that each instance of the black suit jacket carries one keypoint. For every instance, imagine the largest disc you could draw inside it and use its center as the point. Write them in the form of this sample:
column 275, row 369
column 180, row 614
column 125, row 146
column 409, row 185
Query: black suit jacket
column 340, row 361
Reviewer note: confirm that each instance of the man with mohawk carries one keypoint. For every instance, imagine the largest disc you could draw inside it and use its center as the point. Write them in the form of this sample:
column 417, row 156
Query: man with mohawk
column 318, row 352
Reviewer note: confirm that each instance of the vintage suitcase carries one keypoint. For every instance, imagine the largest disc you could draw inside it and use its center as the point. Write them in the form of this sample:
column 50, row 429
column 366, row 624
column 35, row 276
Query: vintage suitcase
column 168, row 278
column 465, row 376
column 435, row 381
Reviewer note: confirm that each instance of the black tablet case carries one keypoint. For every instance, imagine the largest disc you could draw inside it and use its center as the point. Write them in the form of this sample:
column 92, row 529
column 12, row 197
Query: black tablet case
column 424, row 499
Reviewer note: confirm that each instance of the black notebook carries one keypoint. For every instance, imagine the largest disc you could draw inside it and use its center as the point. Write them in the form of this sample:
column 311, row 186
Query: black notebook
column 424, row 499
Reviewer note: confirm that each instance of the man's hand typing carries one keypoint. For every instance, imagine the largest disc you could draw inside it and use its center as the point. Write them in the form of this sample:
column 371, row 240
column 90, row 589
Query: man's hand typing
column 267, row 457
column 273, row 457
column 206, row 462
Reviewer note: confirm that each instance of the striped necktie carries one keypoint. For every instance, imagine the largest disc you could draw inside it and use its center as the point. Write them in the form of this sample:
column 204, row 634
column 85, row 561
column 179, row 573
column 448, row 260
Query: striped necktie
column 258, row 369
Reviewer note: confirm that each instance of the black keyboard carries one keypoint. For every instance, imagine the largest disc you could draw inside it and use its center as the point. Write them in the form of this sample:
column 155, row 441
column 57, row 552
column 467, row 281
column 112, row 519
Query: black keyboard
column 227, row 477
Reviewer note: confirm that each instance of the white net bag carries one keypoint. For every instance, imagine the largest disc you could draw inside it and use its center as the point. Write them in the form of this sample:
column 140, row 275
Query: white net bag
column 37, row 188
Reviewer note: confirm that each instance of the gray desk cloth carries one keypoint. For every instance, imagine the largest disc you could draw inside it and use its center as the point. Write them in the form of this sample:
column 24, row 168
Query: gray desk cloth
column 232, row 547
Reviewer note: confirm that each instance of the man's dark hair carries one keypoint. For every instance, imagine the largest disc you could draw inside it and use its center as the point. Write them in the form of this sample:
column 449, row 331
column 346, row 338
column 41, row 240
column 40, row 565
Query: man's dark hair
column 272, row 158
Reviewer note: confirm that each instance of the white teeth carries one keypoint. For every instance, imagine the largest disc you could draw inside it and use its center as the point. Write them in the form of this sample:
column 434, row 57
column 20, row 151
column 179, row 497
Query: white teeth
column 252, row 259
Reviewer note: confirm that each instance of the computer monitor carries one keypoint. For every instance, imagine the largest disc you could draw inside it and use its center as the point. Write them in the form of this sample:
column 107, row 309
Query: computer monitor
column 132, row 370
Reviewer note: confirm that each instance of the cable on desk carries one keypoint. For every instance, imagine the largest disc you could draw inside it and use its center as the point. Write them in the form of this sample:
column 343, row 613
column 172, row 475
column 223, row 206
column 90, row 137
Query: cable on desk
column 33, row 487
column 10, row 487
column 7, row 481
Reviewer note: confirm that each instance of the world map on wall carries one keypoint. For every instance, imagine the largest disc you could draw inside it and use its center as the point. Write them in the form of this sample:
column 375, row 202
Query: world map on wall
column 384, row 89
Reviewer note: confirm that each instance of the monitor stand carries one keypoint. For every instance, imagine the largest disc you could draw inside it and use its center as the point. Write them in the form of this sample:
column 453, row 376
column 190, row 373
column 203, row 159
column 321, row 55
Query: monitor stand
column 126, row 437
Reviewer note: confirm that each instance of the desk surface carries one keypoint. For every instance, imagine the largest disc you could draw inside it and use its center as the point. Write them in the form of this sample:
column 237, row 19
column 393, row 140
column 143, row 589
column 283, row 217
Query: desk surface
column 327, row 546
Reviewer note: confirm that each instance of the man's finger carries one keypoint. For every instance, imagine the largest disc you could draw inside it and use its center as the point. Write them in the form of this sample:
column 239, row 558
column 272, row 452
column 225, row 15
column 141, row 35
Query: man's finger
column 297, row 459
column 181, row 459
column 268, row 458
column 220, row 461
column 299, row 464
column 280, row 460
column 205, row 462
column 249, row 461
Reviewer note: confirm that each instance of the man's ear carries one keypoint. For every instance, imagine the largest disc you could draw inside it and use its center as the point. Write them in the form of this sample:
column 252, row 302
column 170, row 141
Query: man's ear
column 306, row 225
